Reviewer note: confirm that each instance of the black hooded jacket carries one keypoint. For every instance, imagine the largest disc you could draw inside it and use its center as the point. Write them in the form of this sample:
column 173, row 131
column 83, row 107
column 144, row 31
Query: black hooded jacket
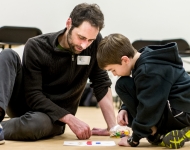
column 159, row 76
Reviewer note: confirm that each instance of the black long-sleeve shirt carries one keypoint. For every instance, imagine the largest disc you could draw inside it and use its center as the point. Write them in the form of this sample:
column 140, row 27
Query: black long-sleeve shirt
column 54, row 82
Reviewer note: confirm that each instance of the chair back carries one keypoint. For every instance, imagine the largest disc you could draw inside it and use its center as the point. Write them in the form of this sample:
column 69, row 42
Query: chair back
column 138, row 44
column 15, row 35
column 183, row 46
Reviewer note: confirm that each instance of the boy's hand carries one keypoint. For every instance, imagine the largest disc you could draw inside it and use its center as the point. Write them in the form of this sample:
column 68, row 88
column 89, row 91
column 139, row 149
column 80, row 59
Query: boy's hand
column 80, row 128
column 101, row 132
column 154, row 130
column 123, row 142
column 122, row 118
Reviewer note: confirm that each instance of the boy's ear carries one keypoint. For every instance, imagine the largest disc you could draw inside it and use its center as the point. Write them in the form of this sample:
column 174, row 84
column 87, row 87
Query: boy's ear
column 69, row 23
column 125, row 59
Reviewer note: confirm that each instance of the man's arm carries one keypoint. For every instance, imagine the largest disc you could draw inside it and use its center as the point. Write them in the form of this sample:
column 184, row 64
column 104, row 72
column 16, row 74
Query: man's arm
column 82, row 130
column 107, row 108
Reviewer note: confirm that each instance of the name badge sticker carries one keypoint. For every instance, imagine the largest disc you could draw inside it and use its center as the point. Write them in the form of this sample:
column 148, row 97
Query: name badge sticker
column 83, row 60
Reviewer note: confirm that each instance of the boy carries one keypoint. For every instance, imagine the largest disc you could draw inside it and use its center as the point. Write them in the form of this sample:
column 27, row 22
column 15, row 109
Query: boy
column 156, row 96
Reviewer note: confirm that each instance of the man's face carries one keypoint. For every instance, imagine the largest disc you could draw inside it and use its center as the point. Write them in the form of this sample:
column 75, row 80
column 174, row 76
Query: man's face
column 81, row 37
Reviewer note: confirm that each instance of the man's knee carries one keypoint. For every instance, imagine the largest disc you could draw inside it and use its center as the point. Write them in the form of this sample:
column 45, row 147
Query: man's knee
column 30, row 127
column 35, row 120
column 38, row 125
column 9, row 53
column 10, row 57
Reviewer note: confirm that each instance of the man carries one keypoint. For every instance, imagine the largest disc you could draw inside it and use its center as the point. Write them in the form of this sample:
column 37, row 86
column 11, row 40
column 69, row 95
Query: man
column 55, row 69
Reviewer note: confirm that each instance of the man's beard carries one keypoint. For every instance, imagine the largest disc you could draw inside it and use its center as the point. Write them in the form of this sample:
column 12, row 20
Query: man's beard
column 71, row 45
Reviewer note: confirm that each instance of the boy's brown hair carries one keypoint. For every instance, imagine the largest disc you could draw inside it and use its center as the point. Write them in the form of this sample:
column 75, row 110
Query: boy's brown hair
column 112, row 48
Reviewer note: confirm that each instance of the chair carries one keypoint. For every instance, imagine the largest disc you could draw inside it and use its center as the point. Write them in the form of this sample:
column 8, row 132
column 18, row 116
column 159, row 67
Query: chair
column 183, row 46
column 138, row 44
column 15, row 35
column 88, row 98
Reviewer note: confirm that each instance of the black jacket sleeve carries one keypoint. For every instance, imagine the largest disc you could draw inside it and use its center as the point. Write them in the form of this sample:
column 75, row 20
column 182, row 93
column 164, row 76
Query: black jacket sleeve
column 152, row 92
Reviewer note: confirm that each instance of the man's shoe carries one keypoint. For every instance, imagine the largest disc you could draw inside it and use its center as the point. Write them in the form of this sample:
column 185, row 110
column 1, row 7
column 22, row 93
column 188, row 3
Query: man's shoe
column 2, row 140
column 177, row 138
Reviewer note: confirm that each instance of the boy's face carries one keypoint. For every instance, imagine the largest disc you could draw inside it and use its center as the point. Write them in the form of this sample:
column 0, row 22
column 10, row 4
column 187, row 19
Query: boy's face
column 81, row 37
column 120, row 70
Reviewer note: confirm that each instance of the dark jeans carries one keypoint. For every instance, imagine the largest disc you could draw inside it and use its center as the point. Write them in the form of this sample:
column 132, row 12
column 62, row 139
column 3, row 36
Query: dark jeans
column 126, row 90
column 24, row 123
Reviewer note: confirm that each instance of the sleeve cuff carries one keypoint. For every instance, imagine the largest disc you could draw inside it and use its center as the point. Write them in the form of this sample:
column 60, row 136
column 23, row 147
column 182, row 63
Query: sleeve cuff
column 123, row 107
column 135, row 138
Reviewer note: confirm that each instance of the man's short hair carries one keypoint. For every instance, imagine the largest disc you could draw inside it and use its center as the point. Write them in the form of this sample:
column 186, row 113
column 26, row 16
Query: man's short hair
column 87, row 12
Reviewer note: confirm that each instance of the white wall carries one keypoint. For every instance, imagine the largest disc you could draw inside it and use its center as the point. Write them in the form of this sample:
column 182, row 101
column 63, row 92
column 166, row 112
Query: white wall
column 136, row 19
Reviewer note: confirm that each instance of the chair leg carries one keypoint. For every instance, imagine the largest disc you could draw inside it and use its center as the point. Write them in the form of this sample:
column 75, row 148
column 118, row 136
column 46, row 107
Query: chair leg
column 2, row 46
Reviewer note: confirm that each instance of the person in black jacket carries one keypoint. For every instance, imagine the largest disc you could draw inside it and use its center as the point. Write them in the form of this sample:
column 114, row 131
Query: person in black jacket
column 154, row 88
column 55, row 68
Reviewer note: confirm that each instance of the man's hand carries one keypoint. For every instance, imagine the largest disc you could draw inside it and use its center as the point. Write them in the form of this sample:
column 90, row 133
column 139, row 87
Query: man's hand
column 80, row 128
column 101, row 132
column 122, row 118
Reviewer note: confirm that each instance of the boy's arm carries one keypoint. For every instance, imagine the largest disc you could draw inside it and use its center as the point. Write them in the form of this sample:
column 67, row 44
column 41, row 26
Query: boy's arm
column 152, row 101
